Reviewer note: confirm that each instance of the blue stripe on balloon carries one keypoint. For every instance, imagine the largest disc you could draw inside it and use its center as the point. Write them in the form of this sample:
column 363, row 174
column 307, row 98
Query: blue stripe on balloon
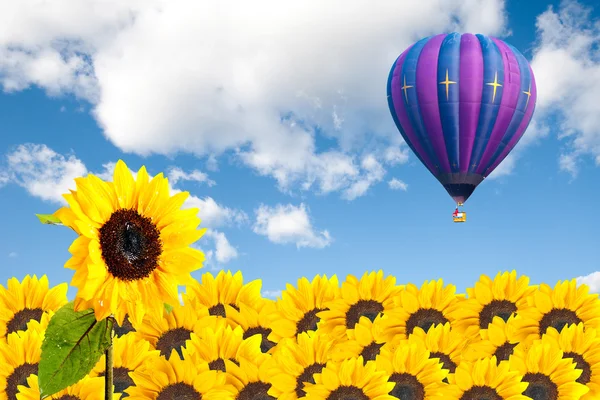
column 409, row 70
column 449, row 60
column 393, row 110
column 521, row 106
column 492, row 64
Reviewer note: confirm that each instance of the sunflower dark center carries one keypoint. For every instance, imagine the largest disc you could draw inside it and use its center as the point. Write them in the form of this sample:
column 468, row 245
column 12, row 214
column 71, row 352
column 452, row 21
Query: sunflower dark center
column 219, row 310
column 497, row 308
column 309, row 321
column 503, row 352
column 173, row 340
column 424, row 318
column 19, row 377
column 130, row 244
column 444, row 359
column 307, row 376
column 265, row 344
column 347, row 393
column 407, row 387
column 255, row 391
column 121, row 330
column 217, row 365
column 363, row 308
column 20, row 319
column 179, row 391
column 370, row 351
column 121, row 380
column 481, row 393
column 586, row 375
column 70, row 397
column 540, row 387
column 558, row 318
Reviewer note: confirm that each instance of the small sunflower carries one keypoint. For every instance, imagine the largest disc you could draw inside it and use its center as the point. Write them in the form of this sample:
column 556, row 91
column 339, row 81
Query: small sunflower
column 443, row 343
column 250, row 377
column 499, row 339
column 432, row 304
column 225, row 289
column 583, row 346
column 416, row 376
column 86, row 389
column 219, row 342
column 297, row 309
column 350, row 379
column 550, row 376
column 255, row 318
column 566, row 304
column 368, row 297
column 503, row 296
column 172, row 329
column 19, row 358
column 486, row 379
column 133, row 248
column 174, row 378
column 295, row 362
column 366, row 340
column 24, row 301
column 129, row 354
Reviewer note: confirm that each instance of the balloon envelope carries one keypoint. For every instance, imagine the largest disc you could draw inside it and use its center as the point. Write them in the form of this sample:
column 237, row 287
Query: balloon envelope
column 461, row 102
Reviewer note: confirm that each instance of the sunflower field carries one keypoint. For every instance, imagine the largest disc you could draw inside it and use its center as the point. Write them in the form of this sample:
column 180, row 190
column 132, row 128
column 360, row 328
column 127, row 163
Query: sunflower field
column 133, row 332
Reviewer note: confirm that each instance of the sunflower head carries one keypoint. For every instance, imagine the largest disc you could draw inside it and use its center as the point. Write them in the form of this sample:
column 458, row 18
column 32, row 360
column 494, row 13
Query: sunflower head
column 251, row 378
column 255, row 319
column 85, row 389
column 19, row 358
column 133, row 246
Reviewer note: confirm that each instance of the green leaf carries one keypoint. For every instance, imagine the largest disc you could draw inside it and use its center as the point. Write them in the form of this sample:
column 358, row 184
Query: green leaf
column 49, row 219
column 168, row 307
column 73, row 344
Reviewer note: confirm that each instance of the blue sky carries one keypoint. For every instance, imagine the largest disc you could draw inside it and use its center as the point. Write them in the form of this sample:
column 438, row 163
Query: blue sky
column 290, row 154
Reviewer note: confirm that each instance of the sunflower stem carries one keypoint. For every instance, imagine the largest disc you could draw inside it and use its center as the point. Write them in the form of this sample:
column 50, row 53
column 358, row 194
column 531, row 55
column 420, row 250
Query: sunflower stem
column 108, row 368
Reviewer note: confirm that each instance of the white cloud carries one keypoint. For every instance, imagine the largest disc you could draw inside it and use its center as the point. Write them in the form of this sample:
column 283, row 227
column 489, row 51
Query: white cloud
column 224, row 251
column 12, row 254
column 289, row 224
column 42, row 172
column 592, row 280
column 374, row 173
column 215, row 215
column 397, row 184
column 212, row 92
column 176, row 174
column 566, row 64
column 272, row 294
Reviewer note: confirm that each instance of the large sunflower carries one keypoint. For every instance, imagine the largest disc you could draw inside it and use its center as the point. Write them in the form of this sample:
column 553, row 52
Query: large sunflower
column 295, row 361
column 19, row 358
column 215, row 343
column 499, row 339
column 369, row 296
column 171, row 330
column 133, row 246
column 21, row 302
column 550, row 376
column 423, row 307
column 443, row 343
column 297, row 309
column 416, row 376
column 129, row 354
column 486, row 379
column 501, row 297
column 251, row 378
column 85, row 389
column 175, row 378
column 566, row 304
column 225, row 289
column 366, row 339
column 350, row 379
column 583, row 346
column 255, row 318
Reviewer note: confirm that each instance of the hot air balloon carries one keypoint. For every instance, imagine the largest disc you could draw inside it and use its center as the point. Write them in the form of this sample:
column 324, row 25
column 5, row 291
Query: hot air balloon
column 461, row 102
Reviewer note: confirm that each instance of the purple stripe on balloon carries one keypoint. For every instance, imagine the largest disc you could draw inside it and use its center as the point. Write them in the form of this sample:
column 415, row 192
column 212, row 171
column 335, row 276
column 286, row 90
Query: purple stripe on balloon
column 471, row 88
column 510, row 97
column 427, row 96
column 522, row 127
column 400, row 108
